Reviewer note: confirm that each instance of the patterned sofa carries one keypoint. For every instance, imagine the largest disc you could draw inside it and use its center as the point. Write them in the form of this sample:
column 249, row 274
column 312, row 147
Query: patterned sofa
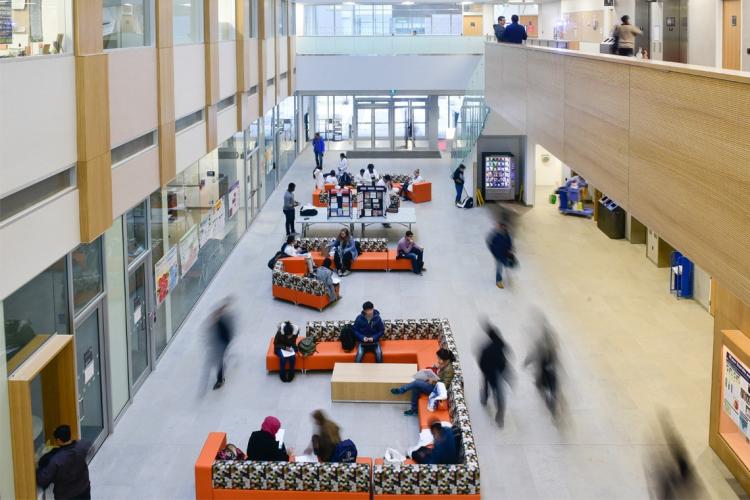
column 288, row 282
column 241, row 479
column 374, row 255
column 411, row 340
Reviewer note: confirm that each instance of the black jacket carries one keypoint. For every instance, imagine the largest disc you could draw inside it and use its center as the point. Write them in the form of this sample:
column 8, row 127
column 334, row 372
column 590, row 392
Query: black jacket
column 66, row 467
column 263, row 446
column 492, row 360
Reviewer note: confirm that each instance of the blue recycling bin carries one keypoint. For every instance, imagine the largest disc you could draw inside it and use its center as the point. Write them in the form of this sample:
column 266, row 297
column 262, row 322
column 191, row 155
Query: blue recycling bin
column 681, row 276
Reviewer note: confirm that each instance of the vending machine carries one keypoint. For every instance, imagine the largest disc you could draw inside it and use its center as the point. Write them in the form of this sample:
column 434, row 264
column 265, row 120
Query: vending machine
column 499, row 176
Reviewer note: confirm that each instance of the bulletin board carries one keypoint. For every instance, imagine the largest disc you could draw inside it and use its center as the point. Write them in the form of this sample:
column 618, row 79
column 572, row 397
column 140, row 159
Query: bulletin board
column 584, row 26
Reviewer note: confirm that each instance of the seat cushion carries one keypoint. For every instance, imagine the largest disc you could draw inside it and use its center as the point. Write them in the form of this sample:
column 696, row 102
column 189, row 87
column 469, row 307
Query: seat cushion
column 396, row 264
column 371, row 261
column 422, row 192
column 295, row 265
column 426, row 417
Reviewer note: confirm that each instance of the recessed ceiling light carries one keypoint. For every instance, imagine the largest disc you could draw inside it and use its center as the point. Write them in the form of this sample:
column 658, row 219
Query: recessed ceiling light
column 407, row 3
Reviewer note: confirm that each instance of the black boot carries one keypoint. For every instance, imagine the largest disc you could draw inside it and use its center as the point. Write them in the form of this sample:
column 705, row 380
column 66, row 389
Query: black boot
column 289, row 376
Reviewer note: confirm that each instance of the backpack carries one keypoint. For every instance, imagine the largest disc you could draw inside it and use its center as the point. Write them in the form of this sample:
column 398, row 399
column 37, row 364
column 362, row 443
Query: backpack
column 278, row 255
column 344, row 452
column 345, row 180
column 231, row 452
column 347, row 338
column 307, row 346
column 468, row 203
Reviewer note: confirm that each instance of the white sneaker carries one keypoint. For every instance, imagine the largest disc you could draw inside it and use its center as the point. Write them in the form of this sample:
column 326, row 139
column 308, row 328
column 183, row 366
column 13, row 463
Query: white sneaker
column 458, row 205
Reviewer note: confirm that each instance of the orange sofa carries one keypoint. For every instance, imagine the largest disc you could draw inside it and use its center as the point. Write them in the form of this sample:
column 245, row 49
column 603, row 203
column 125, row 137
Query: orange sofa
column 319, row 198
column 422, row 192
column 245, row 479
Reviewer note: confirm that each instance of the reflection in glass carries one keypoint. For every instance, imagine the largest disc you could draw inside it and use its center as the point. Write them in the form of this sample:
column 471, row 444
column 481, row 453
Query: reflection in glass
column 31, row 28
column 139, row 360
column 135, row 227
column 127, row 23
column 88, row 359
column 188, row 21
column 34, row 312
column 226, row 20
column 159, row 328
column 117, row 336
column 87, row 273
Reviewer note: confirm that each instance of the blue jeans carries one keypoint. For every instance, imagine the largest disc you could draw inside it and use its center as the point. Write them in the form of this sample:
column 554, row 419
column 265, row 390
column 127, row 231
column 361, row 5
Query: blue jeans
column 416, row 257
column 361, row 349
column 285, row 364
column 498, row 271
column 417, row 388
column 318, row 159
column 459, row 192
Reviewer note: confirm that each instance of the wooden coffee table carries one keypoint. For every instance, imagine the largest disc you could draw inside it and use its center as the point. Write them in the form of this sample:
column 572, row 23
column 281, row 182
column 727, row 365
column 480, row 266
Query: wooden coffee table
column 371, row 382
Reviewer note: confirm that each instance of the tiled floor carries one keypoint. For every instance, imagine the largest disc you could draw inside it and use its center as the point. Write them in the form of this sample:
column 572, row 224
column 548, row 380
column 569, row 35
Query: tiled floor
column 628, row 347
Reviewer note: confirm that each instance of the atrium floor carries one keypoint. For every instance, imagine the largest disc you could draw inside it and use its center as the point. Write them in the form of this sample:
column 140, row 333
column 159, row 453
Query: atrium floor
column 629, row 350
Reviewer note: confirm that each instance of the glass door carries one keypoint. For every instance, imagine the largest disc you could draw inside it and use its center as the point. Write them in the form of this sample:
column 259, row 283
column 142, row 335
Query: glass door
column 254, row 186
column 401, row 138
column 381, row 117
column 139, row 312
column 364, row 130
column 418, row 122
column 92, row 409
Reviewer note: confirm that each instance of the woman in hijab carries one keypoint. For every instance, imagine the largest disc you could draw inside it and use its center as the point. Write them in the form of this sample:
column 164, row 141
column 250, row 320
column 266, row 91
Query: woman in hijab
column 263, row 445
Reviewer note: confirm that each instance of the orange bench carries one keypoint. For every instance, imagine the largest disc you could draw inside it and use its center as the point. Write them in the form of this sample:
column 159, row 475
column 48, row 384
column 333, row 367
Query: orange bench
column 316, row 201
column 422, row 192
column 206, row 490
column 298, row 267
column 366, row 261
column 410, row 464
column 396, row 264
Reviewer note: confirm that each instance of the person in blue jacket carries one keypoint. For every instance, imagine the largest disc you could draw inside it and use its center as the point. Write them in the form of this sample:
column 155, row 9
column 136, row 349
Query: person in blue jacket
column 345, row 252
column 501, row 247
column 319, row 147
column 444, row 450
column 369, row 328
column 514, row 32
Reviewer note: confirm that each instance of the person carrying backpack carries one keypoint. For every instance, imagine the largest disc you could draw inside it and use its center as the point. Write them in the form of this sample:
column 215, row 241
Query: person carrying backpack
column 501, row 247
column 458, row 181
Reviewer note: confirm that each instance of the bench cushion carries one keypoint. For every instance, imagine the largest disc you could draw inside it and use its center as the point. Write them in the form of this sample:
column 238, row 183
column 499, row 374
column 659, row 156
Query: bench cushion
column 371, row 261
column 396, row 264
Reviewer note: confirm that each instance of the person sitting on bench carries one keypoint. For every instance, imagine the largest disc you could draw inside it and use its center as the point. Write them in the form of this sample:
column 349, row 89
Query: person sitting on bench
column 408, row 249
column 325, row 275
column 344, row 249
column 408, row 186
column 444, row 372
column 369, row 328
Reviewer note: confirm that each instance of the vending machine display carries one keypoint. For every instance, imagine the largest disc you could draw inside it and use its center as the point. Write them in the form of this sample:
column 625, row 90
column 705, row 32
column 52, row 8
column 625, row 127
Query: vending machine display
column 499, row 172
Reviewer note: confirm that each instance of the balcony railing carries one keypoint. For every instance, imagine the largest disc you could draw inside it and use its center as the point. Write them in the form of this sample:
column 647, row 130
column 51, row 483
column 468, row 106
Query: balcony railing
column 390, row 45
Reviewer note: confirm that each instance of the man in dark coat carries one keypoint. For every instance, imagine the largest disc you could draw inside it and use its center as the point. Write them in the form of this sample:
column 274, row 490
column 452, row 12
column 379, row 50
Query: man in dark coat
column 493, row 362
column 66, row 467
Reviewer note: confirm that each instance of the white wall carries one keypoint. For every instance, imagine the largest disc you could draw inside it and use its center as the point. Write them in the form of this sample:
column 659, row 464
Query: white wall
column 702, row 287
column 32, row 149
column 382, row 73
column 189, row 79
column 33, row 242
column 226, row 123
column 190, row 146
column 704, row 32
column 548, row 173
column 133, row 103
column 549, row 14
column 227, row 69
column 134, row 179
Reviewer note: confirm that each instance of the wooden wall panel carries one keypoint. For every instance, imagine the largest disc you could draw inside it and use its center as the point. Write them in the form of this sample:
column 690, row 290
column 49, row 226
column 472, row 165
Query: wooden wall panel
column 164, row 24
column 596, row 124
column 211, row 129
column 690, row 151
column 732, row 316
column 545, row 111
column 167, row 153
column 514, row 84
column 87, row 22
column 95, row 196
column 165, row 91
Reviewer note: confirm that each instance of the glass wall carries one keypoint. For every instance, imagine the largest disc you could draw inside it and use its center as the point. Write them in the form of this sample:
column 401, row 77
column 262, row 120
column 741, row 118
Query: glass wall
column 283, row 18
column 34, row 312
column 136, row 231
column 188, row 21
column 127, row 23
column 226, row 20
column 30, row 28
column 161, row 327
column 286, row 134
column 268, row 15
column 252, row 28
column 87, row 274
column 117, row 330
column 383, row 19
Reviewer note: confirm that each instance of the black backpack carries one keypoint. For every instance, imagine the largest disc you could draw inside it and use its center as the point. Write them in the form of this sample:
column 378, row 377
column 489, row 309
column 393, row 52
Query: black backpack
column 347, row 338
column 345, row 180
column 277, row 256
column 468, row 203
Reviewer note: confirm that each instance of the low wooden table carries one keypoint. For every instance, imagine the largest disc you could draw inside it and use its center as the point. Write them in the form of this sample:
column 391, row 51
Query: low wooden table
column 371, row 382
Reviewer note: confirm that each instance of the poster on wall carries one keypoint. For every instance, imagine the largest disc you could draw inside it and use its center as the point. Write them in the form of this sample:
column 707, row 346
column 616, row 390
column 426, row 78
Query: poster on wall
column 205, row 230
column 166, row 275
column 234, row 199
column 218, row 220
column 6, row 23
column 189, row 250
column 737, row 392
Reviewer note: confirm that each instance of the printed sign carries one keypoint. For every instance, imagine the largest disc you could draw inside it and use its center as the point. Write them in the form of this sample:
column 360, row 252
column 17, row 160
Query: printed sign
column 189, row 249
column 218, row 219
column 166, row 275
column 234, row 198
column 737, row 392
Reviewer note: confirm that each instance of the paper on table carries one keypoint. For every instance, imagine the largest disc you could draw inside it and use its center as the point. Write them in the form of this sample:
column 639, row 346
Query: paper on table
column 306, row 458
column 280, row 437
column 287, row 353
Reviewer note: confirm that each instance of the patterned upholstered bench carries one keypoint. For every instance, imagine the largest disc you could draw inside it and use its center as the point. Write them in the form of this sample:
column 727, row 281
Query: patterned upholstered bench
column 289, row 283
column 414, row 341
column 374, row 255
column 244, row 479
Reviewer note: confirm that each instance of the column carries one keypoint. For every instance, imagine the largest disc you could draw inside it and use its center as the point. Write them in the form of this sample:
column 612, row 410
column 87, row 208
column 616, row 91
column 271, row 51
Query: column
column 165, row 90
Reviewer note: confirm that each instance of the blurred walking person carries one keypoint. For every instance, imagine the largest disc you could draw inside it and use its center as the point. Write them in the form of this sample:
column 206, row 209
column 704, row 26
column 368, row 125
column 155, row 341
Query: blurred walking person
column 220, row 336
column 546, row 365
column 501, row 246
column 493, row 361
column 672, row 475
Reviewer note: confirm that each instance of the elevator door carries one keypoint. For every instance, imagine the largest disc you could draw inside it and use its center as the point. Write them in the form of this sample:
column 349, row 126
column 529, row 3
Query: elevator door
column 675, row 31
column 92, row 410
